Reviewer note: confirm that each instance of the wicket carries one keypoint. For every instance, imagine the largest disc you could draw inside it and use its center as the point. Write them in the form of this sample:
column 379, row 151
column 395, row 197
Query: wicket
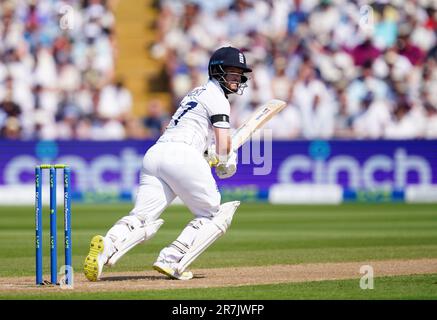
column 53, row 232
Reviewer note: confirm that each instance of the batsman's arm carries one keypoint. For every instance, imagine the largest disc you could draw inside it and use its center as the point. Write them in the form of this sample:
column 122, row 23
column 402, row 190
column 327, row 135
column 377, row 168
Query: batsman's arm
column 223, row 144
column 219, row 152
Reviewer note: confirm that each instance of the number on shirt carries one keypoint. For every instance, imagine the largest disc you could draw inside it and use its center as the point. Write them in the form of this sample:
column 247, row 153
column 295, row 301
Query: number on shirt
column 191, row 105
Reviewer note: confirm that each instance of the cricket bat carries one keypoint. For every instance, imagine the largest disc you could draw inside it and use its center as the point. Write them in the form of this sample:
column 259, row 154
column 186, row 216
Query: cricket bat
column 258, row 119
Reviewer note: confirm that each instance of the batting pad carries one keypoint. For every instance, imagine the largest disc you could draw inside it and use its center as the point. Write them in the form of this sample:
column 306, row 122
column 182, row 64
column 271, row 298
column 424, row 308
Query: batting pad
column 206, row 231
column 127, row 233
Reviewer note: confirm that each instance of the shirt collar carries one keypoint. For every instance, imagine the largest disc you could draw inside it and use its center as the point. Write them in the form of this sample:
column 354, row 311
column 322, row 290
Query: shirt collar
column 217, row 84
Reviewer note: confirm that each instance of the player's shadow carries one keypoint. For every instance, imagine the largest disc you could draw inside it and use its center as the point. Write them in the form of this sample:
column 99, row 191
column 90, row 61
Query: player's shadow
column 150, row 278
column 125, row 278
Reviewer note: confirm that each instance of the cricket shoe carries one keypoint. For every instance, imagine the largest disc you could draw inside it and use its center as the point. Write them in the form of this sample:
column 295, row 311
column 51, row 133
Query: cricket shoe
column 95, row 259
column 166, row 269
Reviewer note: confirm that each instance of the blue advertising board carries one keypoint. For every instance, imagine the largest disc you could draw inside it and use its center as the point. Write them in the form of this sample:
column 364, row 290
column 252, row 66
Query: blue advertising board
column 113, row 166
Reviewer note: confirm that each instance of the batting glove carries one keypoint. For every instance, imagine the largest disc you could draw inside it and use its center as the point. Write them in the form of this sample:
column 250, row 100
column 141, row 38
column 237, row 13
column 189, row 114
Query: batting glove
column 210, row 156
column 228, row 169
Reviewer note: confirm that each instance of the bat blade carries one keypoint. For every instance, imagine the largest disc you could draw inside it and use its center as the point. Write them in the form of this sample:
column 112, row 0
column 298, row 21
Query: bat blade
column 258, row 119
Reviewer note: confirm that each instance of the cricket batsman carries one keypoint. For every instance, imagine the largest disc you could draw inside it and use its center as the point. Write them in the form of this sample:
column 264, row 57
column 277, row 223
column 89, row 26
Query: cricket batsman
column 179, row 164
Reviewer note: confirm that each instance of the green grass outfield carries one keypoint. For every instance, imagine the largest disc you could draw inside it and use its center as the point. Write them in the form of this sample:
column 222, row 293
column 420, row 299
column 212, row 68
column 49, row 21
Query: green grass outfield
column 423, row 287
column 261, row 234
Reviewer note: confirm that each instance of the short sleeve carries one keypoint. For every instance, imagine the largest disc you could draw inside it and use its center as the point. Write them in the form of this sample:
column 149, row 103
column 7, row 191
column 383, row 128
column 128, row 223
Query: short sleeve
column 218, row 112
column 217, row 106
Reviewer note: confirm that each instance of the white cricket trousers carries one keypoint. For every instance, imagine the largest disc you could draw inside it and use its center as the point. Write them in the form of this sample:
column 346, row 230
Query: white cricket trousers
column 173, row 169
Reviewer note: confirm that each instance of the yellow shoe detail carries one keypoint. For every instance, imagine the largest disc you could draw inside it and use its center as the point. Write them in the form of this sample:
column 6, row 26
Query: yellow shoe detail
column 91, row 264
column 186, row 275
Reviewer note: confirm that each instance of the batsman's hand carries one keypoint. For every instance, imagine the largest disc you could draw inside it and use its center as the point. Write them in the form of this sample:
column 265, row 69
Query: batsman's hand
column 228, row 169
column 210, row 156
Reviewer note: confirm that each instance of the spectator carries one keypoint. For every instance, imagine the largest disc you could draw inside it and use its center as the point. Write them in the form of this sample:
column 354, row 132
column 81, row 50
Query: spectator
column 431, row 125
column 373, row 118
column 366, row 82
column 414, row 54
column 386, row 29
column 8, row 110
column 403, row 124
column 296, row 17
column 156, row 120
column 115, row 101
column 11, row 129
column 365, row 52
column 343, row 120
column 313, row 100
column 281, row 84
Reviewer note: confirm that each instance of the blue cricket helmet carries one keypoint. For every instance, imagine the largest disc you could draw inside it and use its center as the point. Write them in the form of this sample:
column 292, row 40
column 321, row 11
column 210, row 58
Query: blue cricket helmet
column 227, row 57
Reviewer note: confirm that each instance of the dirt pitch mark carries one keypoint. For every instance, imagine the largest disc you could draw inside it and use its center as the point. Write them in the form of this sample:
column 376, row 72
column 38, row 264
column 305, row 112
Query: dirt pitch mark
column 228, row 277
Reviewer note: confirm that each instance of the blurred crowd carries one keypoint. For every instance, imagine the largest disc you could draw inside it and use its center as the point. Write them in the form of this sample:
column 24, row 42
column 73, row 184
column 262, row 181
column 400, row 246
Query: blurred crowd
column 357, row 69
column 57, row 78
column 347, row 69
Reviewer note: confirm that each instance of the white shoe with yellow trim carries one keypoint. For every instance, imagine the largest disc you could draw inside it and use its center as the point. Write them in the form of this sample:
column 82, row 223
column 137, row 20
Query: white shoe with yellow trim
column 166, row 269
column 95, row 259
